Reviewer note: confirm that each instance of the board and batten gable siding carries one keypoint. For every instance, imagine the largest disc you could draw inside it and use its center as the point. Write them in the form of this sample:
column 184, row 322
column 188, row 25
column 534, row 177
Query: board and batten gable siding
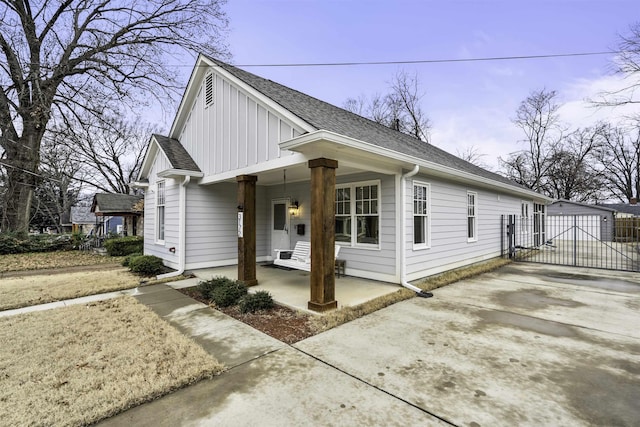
column 151, row 247
column 233, row 132
column 377, row 264
column 450, row 247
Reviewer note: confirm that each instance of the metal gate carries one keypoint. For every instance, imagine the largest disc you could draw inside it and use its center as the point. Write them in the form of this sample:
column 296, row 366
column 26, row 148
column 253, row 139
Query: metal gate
column 573, row 240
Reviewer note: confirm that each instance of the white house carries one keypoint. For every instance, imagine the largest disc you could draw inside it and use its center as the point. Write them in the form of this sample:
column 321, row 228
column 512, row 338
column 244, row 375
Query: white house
column 242, row 150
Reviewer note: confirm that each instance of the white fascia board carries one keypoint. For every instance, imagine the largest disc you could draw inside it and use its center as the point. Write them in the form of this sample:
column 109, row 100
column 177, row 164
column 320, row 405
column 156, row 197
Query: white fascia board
column 336, row 138
column 283, row 162
column 149, row 158
column 203, row 64
column 172, row 173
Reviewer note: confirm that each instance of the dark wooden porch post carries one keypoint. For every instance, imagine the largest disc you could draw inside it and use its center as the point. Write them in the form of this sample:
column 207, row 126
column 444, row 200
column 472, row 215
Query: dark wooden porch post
column 247, row 229
column 323, row 280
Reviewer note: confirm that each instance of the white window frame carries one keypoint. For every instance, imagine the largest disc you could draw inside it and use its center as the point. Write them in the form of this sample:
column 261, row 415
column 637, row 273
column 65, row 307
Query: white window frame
column 161, row 199
column 524, row 216
column 354, row 215
column 472, row 215
column 425, row 214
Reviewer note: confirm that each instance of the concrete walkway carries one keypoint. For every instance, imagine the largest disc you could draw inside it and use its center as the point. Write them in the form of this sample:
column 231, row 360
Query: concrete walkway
column 266, row 383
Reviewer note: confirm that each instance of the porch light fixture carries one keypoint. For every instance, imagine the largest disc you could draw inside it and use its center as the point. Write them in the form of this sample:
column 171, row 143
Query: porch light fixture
column 293, row 208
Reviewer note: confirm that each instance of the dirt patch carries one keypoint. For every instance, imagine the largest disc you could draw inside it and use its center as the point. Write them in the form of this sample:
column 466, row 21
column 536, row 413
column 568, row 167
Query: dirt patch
column 281, row 323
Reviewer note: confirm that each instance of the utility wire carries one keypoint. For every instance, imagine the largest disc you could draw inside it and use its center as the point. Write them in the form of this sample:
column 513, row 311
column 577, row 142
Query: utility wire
column 433, row 61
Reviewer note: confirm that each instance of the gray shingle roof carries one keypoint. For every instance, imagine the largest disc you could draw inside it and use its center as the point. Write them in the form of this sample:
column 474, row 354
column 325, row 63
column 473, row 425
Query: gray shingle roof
column 82, row 215
column 176, row 153
column 114, row 203
column 624, row 207
column 325, row 116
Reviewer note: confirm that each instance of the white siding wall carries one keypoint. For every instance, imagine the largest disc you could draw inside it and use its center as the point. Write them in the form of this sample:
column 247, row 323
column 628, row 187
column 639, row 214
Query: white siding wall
column 449, row 246
column 234, row 132
column 151, row 247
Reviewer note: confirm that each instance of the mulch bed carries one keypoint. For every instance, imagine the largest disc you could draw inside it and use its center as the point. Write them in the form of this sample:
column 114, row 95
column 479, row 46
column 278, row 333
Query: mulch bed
column 281, row 323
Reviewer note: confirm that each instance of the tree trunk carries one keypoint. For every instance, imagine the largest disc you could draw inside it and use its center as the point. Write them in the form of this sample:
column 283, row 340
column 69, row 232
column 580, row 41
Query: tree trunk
column 23, row 159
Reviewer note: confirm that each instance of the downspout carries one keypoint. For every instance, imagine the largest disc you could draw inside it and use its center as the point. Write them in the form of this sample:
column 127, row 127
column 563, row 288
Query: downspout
column 182, row 231
column 403, row 239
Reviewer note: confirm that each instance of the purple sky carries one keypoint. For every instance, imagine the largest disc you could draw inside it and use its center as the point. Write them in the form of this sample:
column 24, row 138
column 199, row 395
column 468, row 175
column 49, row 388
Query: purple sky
column 470, row 104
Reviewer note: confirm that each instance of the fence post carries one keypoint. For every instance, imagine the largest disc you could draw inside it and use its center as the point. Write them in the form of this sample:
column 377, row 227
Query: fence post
column 575, row 240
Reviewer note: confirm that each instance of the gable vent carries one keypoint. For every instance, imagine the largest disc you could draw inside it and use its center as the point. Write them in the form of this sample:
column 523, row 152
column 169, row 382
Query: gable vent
column 208, row 90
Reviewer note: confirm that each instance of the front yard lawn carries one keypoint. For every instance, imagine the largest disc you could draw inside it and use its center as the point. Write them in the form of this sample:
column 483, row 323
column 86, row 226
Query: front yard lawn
column 80, row 364
column 47, row 260
column 18, row 292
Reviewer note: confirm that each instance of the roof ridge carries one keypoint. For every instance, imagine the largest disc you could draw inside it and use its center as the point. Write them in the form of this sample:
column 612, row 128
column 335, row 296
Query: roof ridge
column 334, row 119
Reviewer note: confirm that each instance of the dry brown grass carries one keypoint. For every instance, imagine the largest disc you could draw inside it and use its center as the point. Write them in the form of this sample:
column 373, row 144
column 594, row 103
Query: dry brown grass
column 31, row 290
column 347, row 314
column 80, row 364
column 46, row 260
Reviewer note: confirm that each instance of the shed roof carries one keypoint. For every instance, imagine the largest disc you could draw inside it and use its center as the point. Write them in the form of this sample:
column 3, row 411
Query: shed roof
column 176, row 153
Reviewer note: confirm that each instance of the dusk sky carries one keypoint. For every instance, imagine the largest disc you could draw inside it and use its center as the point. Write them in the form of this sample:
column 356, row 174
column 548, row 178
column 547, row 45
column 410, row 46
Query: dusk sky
column 469, row 103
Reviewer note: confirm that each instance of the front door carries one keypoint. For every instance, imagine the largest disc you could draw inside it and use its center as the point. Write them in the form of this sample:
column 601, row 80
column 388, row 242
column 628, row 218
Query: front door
column 280, row 225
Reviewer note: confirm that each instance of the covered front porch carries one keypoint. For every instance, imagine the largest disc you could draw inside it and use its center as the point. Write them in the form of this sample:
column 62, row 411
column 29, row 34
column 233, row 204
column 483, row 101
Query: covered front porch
column 290, row 288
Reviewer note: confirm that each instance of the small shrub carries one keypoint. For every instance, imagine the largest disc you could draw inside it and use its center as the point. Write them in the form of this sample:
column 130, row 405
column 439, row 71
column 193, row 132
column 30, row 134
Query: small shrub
column 251, row 303
column 146, row 265
column 222, row 291
column 127, row 260
column 123, row 246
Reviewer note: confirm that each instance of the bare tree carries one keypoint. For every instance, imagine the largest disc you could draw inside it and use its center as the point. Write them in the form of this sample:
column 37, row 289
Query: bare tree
column 109, row 150
column 537, row 117
column 400, row 109
column 57, row 187
column 619, row 157
column 472, row 154
column 62, row 58
column 573, row 174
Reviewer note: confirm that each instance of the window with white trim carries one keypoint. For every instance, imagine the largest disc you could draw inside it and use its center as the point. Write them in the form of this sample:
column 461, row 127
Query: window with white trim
column 343, row 215
column 472, row 216
column 208, row 90
column 160, row 202
column 524, row 217
column 421, row 215
column 357, row 214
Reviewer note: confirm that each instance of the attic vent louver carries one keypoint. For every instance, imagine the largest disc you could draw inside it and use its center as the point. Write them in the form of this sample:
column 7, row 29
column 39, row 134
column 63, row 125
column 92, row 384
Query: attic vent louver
column 208, row 90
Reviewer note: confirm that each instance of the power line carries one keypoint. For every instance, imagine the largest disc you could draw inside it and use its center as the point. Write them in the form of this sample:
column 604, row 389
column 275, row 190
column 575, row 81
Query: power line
column 432, row 61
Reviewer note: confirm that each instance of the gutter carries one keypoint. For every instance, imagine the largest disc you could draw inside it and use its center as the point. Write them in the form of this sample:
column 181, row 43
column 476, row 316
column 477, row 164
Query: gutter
column 182, row 231
column 403, row 240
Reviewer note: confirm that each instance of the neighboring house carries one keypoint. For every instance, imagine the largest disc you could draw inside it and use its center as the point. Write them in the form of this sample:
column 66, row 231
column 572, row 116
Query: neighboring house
column 250, row 166
column 568, row 220
column 124, row 206
column 631, row 209
column 82, row 220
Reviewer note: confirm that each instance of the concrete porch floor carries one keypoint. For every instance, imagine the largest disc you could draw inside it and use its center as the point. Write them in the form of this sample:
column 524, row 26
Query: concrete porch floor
column 291, row 287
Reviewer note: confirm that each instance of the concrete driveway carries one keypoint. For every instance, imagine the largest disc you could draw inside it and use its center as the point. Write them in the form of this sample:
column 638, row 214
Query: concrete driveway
column 526, row 345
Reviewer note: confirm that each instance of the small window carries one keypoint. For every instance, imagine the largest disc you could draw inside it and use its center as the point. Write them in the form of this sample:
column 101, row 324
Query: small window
column 208, row 90
column 524, row 217
column 472, row 216
column 160, row 202
column 421, row 208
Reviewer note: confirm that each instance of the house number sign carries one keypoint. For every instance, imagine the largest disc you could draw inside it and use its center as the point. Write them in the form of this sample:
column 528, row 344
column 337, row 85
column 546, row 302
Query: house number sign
column 240, row 222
